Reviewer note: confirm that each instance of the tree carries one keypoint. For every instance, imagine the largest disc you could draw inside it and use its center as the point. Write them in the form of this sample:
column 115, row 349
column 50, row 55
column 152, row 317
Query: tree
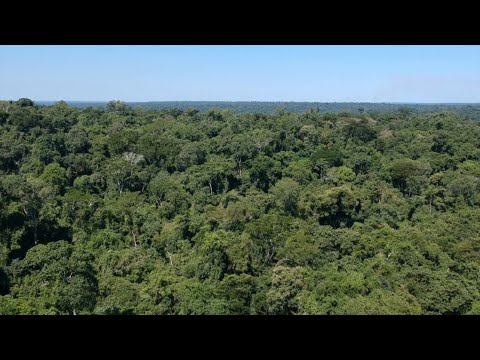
column 286, row 285
column 360, row 131
column 77, row 141
column 262, row 138
column 300, row 171
column 382, row 302
column 55, row 176
column 286, row 192
column 337, row 206
column 403, row 170
column 340, row 175
column 24, row 118
column 215, row 173
column 116, row 105
column 324, row 158
column 56, row 277
column 3, row 116
column 168, row 194
column 264, row 172
column 212, row 262
column 158, row 150
column 23, row 102
column 243, row 147
column 238, row 290
column 121, row 174
column 195, row 298
column 300, row 249
column 265, row 236
column 31, row 195
column 191, row 154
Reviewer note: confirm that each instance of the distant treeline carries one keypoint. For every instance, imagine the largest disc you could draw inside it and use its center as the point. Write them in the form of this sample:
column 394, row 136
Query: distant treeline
column 467, row 110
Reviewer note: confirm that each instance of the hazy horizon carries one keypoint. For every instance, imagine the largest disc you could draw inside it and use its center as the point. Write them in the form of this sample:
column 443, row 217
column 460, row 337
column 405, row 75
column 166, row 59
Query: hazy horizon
column 252, row 101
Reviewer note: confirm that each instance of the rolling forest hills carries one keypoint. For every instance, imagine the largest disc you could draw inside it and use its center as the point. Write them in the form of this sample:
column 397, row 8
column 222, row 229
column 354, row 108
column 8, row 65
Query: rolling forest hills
column 124, row 209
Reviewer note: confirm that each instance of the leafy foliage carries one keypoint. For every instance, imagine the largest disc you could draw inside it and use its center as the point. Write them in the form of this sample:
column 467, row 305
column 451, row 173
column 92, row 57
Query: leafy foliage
column 184, row 209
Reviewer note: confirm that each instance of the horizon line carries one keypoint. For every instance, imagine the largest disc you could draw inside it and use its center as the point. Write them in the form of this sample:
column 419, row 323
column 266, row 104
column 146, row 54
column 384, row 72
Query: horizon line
column 258, row 101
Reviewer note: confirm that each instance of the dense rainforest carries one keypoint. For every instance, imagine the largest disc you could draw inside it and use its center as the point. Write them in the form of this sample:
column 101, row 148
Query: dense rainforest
column 132, row 210
column 471, row 111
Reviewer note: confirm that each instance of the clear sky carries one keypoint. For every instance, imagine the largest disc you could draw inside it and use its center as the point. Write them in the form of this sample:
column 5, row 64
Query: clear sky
column 241, row 73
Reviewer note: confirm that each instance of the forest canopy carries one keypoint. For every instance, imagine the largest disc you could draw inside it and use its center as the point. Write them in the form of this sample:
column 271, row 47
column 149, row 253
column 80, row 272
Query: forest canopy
column 124, row 209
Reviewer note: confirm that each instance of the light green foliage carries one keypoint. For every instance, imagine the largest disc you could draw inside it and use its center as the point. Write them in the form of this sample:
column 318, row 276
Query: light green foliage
column 287, row 282
column 55, row 175
column 286, row 192
column 300, row 171
column 168, row 195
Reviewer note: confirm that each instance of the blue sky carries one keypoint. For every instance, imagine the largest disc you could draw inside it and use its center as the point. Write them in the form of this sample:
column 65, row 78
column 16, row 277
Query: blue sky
column 241, row 73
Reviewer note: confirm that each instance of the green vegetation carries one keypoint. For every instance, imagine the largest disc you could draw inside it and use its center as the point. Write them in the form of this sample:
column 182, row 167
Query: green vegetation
column 267, row 107
column 134, row 210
